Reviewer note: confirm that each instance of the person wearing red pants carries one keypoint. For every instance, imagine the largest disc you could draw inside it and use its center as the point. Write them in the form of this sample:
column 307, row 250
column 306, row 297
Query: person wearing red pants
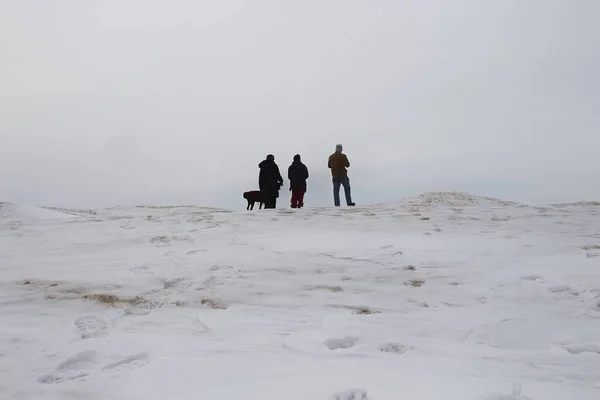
column 297, row 174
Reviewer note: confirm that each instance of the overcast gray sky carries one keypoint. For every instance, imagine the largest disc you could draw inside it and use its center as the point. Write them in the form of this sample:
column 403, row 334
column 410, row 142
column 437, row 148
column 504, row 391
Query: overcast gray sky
column 106, row 102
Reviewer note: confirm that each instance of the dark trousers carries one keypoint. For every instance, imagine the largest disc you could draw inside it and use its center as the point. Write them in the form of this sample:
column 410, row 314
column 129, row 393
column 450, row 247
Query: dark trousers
column 270, row 202
column 345, row 182
column 269, row 197
column 298, row 198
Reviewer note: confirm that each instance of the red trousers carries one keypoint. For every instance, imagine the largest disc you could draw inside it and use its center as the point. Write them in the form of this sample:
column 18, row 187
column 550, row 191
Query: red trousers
column 298, row 198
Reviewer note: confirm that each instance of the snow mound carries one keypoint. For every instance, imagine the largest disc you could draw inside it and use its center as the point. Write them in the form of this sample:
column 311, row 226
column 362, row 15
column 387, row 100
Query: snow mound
column 458, row 199
column 577, row 204
column 26, row 212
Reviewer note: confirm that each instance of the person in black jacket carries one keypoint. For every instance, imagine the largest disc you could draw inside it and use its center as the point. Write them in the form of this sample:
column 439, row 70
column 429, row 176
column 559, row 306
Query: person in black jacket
column 269, row 181
column 297, row 174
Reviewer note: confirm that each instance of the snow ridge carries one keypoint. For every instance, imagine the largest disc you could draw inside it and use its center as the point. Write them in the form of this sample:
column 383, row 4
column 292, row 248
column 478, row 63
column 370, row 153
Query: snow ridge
column 458, row 199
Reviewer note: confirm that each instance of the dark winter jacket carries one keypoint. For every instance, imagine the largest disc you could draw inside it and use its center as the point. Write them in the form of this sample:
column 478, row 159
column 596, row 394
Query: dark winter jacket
column 297, row 174
column 338, row 162
column 269, row 178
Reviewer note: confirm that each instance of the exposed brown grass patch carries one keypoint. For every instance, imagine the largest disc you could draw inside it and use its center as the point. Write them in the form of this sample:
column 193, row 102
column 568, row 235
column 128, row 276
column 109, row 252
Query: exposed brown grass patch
column 392, row 348
column 591, row 247
column 334, row 289
column 425, row 218
column 366, row 311
column 39, row 283
column 415, row 283
column 217, row 305
column 112, row 299
column 410, row 268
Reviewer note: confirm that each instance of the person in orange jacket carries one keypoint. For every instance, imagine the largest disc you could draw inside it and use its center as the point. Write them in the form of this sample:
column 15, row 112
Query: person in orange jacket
column 338, row 162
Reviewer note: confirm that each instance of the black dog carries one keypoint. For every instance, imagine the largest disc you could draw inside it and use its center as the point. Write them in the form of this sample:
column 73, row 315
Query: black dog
column 254, row 196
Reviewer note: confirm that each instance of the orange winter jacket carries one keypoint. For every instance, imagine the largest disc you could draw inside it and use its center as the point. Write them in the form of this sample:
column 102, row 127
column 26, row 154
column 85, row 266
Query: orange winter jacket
column 338, row 162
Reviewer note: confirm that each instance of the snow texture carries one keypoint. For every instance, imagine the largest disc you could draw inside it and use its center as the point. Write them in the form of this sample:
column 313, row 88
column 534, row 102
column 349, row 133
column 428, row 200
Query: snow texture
column 440, row 296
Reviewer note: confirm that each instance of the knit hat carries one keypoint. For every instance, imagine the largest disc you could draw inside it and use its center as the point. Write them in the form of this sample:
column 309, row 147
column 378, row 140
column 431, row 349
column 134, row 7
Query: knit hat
column 338, row 147
column 297, row 157
column 271, row 157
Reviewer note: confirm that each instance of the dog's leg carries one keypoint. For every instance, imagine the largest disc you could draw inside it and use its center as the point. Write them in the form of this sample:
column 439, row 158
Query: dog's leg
column 248, row 206
column 260, row 205
column 252, row 206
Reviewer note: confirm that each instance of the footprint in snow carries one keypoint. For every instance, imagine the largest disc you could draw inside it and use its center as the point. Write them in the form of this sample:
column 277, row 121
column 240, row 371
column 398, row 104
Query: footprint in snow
column 564, row 289
column 141, row 270
column 160, row 241
column 313, row 341
column 78, row 367
column 128, row 363
column 83, row 360
column 91, row 326
column 532, row 278
column 156, row 299
column 583, row 348
column 392, row 348
column 341, row 343
column 192, row 252
column 178, row 283
column 53, row 379
column 219, row 276
column 75, row 368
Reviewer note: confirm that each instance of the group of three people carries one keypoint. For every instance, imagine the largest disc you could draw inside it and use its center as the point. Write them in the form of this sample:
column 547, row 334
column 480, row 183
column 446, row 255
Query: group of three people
column 270, row 180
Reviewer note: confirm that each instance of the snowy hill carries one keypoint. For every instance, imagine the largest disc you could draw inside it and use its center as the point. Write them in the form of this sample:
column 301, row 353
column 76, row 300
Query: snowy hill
column 441, row 296
column 16, row 213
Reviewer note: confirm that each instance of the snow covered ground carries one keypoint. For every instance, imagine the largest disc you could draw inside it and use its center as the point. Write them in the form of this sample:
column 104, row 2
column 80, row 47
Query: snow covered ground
column 442, row 296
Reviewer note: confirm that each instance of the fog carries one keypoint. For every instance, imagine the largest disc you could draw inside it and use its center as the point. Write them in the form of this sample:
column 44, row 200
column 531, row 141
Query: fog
column 112, row 102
